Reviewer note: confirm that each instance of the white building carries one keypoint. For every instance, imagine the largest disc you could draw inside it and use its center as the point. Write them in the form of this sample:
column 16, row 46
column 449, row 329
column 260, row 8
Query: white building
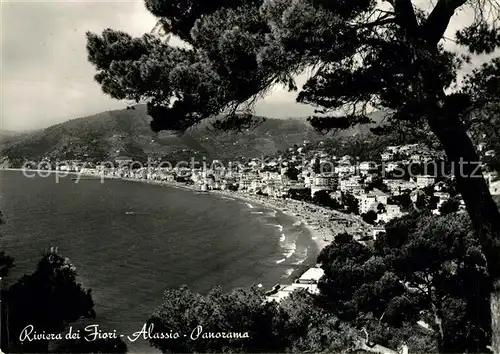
column 324, row 183
column 351, row 185
column 371, row 200
column 271, row 176
column 416, row 158
column 391, row 166
column 244, row 184
column 287, row 290
column 256, row 185
column 490, row 176
column 345, row 169
column 346, row 158
column 425, row 181
column 495, row 188
column 392, row 149
column 367, row 167
column 311, row 276
column 391, row 212
column 308, row 281
column 387, row 156
column 408, row 147
column 377, row 230
column 398, row 186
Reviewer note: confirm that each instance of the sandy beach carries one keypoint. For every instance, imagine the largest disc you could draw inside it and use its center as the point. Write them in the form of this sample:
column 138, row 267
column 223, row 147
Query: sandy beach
column 322, row 223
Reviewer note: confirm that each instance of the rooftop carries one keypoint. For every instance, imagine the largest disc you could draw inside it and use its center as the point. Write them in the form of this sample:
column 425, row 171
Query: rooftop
column 312, row 274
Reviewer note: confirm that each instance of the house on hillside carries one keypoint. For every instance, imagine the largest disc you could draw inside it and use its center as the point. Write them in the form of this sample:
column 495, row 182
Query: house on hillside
column 123, row 160
column 495, row 188
column 308, row 282
column 371, row 200
column 387, row 156
column 377, row 231
column 324, row 183
column 367, row 167
column 440, row 186
column 425, row 181
column 490, row 176
column 398, row 186
column 392, row 149
column 391, row 166
column 391, row 212
column 351, row 185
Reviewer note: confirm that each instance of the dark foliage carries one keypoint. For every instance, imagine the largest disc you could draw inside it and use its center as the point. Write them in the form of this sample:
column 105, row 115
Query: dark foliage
column 423, row 268
column 369, row 217
column 296, row 324
column 48, row 299
column 350, row 203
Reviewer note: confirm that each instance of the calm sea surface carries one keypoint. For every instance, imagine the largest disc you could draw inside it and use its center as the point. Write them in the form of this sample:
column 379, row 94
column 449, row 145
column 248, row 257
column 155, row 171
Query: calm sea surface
column 131, row 241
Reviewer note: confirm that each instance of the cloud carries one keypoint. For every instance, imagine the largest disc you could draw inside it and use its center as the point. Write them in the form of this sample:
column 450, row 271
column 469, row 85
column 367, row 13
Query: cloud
column 46, row 78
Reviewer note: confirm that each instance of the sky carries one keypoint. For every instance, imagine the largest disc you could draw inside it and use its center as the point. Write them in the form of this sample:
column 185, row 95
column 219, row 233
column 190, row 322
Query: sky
column 46, row 78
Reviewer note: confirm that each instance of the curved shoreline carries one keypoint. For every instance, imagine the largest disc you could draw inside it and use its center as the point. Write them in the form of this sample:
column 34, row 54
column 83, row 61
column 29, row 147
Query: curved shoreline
column 321, row 223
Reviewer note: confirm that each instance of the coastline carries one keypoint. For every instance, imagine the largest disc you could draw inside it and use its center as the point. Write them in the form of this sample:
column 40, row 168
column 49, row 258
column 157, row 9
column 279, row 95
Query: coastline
column 322, row 224
column 316, row 219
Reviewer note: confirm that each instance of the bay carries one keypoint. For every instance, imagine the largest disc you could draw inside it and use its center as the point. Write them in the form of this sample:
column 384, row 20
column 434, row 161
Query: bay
column 131, row 241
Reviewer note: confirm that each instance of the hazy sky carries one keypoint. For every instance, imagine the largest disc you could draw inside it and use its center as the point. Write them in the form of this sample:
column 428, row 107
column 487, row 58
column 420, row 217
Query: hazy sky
column 46, row 78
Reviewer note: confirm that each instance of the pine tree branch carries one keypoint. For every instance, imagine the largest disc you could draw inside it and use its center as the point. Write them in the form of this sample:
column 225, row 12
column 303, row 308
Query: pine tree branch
column 439, row 19
column 379, row 22
column 405, row 15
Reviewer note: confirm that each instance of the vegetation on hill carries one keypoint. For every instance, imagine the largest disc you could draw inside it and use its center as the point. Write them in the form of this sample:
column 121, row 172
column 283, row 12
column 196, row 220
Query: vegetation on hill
column 107, row 135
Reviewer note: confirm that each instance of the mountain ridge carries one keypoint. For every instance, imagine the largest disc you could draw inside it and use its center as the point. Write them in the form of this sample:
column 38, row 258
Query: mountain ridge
column 106, row 135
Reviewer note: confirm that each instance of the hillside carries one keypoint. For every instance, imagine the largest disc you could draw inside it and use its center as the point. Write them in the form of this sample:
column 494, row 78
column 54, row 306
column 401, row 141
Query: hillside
column 126, row 132
column 7, row 134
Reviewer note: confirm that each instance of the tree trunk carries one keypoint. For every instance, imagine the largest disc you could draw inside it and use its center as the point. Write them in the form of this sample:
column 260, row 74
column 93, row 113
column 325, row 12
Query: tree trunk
column 495, row 317
column 481, row 207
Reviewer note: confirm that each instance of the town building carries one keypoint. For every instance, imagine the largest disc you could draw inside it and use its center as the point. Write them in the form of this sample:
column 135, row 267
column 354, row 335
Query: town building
column 367, row 167
column 324, row 183
column 392, row 149
column 495, row 188
column 425, row 181
column 391, row 212
column 399, row 186
column 377, row 231
column 123, row 160
column 387, row 156
column 245, row 184
column 490, row 176
column 308, row 281
column 390, row 166
column 371, row 200
column 351, row 185
column 345, row 169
